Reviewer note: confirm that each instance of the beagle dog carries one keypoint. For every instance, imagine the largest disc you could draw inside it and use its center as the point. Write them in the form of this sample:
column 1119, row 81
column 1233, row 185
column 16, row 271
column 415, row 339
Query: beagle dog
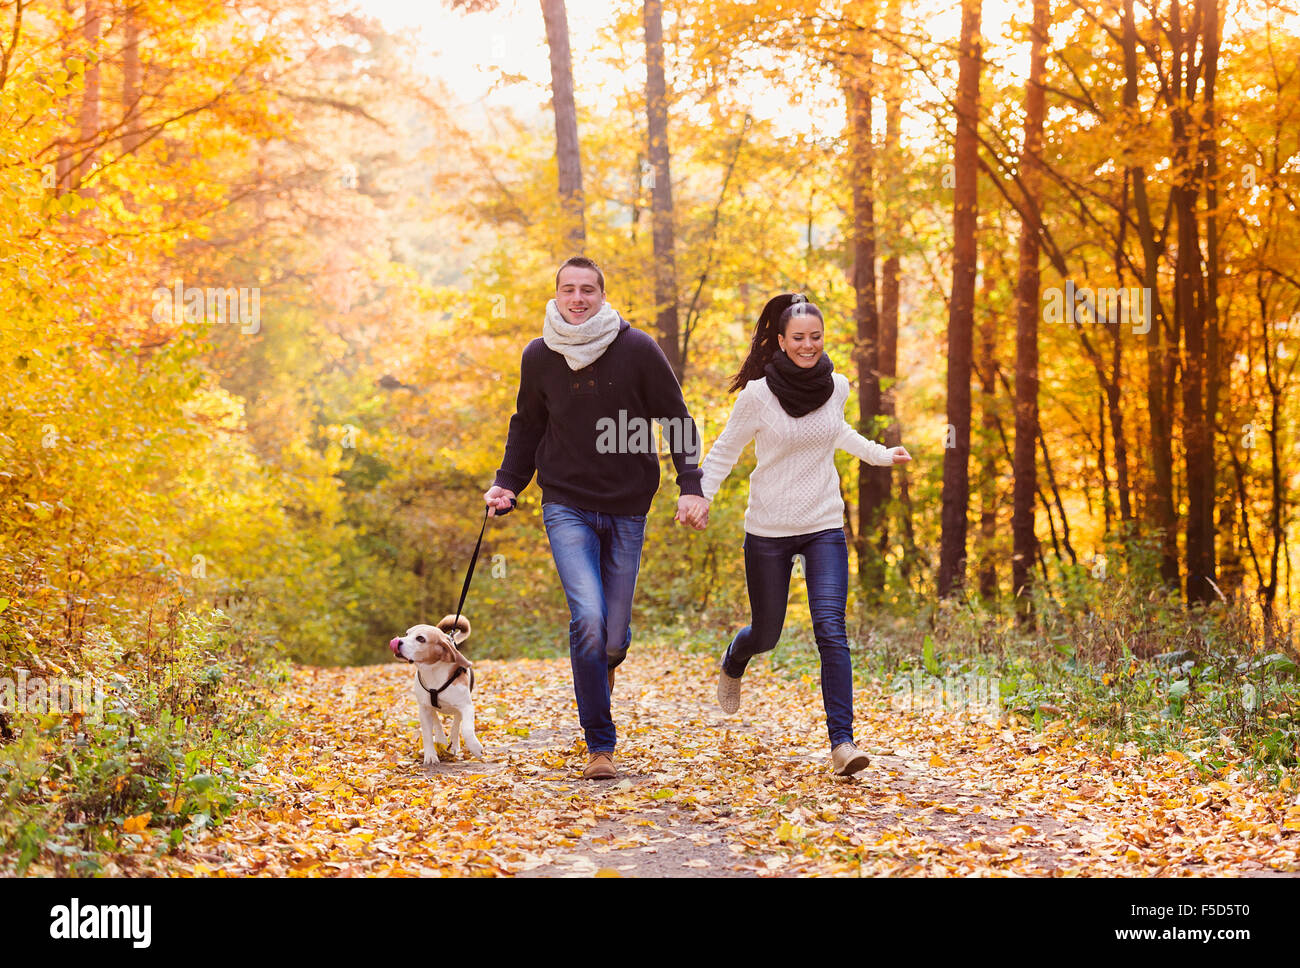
column 443, row 680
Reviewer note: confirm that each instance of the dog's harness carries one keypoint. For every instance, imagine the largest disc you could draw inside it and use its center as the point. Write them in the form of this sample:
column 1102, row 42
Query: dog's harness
column 435, row 693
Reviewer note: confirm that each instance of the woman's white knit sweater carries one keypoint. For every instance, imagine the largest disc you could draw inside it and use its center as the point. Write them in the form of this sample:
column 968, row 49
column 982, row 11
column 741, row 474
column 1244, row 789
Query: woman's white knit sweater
column 795, row 489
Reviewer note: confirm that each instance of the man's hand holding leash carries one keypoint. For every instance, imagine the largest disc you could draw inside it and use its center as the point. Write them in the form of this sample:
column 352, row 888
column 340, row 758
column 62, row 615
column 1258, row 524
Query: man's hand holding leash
column 499, row 501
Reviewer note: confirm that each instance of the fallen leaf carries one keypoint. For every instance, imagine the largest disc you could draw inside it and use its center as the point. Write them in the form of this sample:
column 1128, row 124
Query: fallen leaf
column 134, row 825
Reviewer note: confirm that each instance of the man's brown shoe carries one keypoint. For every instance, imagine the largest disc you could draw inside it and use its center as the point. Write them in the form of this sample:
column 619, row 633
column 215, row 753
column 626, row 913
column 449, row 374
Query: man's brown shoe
column 600, row 766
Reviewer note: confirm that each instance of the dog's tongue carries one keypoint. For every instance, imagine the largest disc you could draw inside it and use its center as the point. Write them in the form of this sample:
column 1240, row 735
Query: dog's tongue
column 394, row 644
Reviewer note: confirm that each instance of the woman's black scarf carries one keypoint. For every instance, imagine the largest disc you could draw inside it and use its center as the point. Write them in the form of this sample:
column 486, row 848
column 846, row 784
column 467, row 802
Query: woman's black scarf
column 800, row 390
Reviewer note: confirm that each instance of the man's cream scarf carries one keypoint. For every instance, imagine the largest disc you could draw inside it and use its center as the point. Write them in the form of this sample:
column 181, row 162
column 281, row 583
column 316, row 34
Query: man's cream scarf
column 581, row 344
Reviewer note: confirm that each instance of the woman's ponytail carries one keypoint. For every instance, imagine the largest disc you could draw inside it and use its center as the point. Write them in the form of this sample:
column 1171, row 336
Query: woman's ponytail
column 764, row 343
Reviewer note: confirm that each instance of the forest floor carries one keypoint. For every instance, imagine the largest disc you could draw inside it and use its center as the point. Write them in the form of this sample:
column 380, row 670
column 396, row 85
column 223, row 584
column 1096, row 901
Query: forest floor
column 701, row 793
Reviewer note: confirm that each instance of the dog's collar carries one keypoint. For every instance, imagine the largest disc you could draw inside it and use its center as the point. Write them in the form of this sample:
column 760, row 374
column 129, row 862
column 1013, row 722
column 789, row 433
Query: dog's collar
column 435, row 693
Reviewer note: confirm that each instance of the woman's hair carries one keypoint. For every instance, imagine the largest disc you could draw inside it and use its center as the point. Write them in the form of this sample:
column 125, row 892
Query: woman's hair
column 772, row 322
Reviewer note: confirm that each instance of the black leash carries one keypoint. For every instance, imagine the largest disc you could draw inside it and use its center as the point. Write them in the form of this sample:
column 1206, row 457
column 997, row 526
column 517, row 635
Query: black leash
column 460, row 606
column 469, row 575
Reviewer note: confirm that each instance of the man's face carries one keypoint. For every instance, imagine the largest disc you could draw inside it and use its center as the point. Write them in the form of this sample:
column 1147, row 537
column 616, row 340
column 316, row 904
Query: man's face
column 578, row 294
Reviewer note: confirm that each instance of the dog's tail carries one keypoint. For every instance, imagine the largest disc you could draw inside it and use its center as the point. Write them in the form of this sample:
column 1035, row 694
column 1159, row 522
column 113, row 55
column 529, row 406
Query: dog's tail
column 460, row 635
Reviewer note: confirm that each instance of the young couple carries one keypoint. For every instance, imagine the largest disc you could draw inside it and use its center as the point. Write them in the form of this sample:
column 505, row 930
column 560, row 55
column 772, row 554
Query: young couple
column 590, row 366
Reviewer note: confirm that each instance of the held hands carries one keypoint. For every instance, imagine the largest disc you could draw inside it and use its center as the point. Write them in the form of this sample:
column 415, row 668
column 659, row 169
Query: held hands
column 499, row 499
column 900, row 455
column 693, row 510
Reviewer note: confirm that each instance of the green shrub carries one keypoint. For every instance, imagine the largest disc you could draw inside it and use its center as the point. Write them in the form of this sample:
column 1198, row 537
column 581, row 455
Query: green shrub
column 183, row 712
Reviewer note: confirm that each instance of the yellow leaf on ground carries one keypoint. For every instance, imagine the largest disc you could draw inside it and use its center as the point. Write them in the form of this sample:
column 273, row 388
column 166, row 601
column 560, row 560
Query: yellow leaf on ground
column 133, row 825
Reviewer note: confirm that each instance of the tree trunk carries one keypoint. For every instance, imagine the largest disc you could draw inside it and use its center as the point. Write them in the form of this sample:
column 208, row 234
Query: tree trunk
column 63, row 146
column 1160, row 504
column 887, row 362
column 1102, row 469
column 88, row 119
column 871, row 572
column 661, row 189
column 1117, row 428
column 1277, row 496
column 131, row 84
column 566, row 125
column 1232, row 570
column 988, row 572
column 1209, row 152
column 1189, row 310
column 956, row 458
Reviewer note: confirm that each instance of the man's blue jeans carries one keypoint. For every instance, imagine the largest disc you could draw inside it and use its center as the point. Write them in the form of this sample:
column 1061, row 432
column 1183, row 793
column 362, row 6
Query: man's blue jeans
column 598, row 557
column 768, row 562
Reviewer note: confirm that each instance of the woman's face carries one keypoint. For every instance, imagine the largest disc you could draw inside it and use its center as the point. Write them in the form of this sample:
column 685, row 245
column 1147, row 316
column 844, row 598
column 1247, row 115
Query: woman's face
column 802, row 341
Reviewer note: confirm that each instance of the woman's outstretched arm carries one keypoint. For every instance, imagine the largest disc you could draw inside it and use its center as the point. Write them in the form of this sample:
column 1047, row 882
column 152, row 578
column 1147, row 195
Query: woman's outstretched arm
column 740, row 430
column 868, row 450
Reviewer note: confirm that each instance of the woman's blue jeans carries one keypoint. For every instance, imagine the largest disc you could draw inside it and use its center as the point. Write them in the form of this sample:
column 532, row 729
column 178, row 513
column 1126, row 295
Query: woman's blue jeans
column 598, row 557
column 768, row 562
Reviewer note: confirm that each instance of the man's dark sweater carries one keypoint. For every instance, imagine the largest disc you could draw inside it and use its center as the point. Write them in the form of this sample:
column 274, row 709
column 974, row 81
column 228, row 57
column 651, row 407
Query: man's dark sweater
column 566, row 422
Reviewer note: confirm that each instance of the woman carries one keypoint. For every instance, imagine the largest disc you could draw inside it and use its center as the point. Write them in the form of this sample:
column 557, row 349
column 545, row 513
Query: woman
column 791, row 404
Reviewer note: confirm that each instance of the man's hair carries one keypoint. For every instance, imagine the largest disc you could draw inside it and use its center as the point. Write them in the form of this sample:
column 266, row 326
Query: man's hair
column 582, row 262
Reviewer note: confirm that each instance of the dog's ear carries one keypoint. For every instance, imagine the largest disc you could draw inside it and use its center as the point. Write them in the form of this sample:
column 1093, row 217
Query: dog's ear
column 455, row 656
column 446, row 651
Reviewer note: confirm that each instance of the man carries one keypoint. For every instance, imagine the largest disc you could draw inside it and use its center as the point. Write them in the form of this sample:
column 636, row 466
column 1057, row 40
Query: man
column 591, row 372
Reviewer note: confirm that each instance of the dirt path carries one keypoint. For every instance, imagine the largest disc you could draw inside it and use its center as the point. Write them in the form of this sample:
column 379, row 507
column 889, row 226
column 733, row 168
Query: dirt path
column 705, row 794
